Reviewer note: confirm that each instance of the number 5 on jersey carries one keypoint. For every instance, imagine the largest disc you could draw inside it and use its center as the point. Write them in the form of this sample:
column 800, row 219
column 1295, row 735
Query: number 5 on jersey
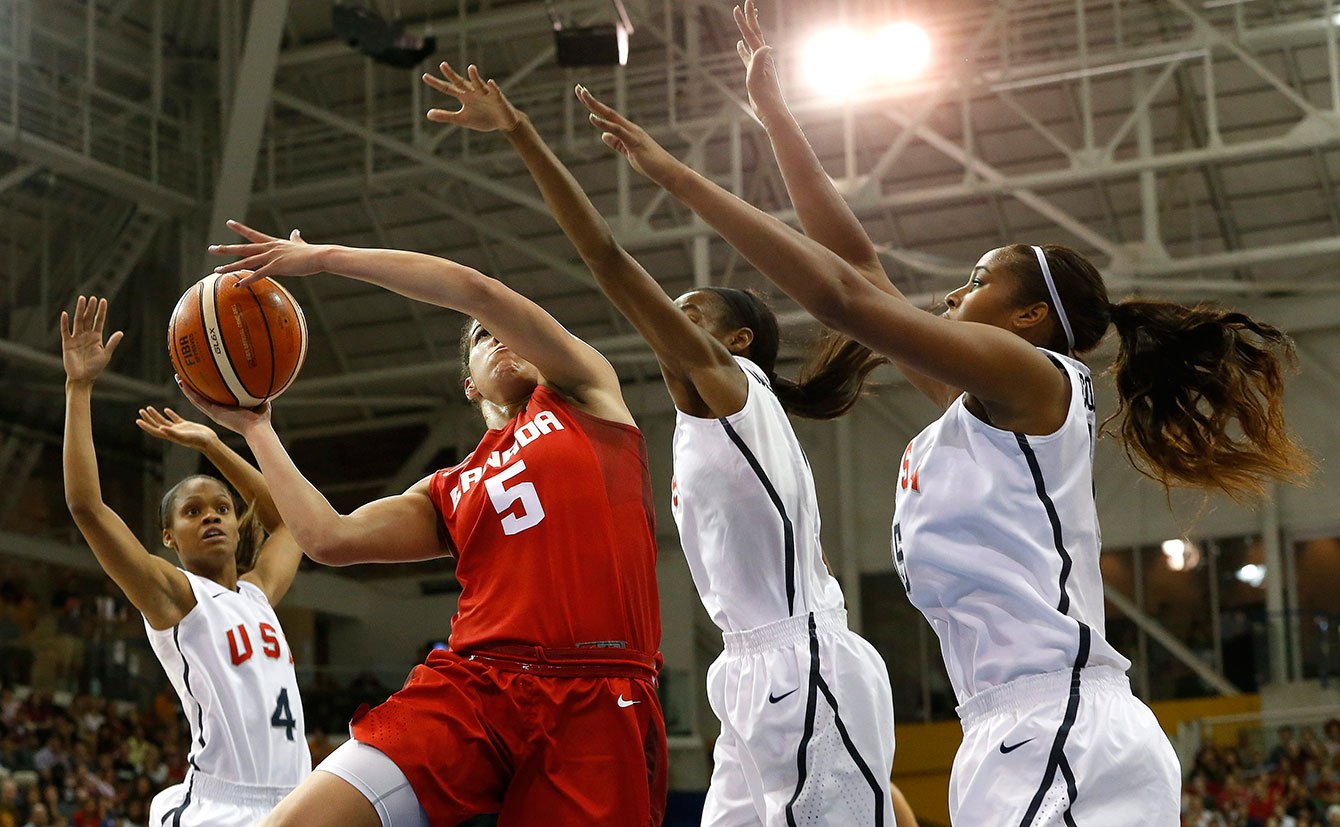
column 522, row 493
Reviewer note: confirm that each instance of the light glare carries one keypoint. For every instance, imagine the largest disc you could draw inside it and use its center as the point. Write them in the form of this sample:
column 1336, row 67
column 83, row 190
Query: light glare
column 1253, row 574
column 839, row 62
column 904, row 51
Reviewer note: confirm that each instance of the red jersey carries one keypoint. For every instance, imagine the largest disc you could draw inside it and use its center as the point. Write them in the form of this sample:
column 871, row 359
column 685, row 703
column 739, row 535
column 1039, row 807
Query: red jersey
column 554, row 533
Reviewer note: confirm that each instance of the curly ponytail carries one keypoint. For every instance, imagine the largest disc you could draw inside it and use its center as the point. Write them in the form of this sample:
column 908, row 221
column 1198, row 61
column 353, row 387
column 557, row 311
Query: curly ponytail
column 829, row 384
column 1201, row 397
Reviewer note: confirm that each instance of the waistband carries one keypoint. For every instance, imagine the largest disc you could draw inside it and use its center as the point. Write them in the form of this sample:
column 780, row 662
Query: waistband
column 231, row 792
column 783, row 632
column 576, row 662
column 1027, row 692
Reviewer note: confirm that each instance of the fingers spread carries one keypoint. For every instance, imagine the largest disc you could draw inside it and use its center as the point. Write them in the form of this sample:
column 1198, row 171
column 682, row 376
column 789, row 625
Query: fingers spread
column 443, row 86
column 248, row 233
column 450, row 74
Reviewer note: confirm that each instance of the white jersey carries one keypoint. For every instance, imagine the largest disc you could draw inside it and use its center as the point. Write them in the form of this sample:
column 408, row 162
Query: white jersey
column 233, row 671
column 996, row 539
column 743, row 498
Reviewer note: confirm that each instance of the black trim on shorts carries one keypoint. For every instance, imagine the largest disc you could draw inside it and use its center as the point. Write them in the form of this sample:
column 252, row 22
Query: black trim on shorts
column 818, row 684
column 176, row 811
column 850, row 745
column 810, row 705
column 788, row 532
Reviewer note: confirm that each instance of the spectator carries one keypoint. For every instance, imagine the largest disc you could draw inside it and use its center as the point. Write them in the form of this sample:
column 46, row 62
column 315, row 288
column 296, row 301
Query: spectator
column 39, row 817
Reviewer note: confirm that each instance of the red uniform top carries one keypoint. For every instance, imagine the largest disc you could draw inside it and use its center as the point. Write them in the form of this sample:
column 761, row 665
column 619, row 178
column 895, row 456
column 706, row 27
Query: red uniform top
column 554, row 533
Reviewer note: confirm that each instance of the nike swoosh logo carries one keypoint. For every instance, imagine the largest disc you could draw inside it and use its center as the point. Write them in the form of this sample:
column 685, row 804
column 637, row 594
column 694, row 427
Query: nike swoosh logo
column 1004, row 750
column 772, row 699
column 623, row 702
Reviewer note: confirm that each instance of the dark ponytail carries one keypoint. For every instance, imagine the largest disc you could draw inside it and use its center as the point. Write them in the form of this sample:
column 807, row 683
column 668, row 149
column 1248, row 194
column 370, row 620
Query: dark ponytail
column 1201, row 397
column 828, row 385
column 251, row 537
column 1200, row 389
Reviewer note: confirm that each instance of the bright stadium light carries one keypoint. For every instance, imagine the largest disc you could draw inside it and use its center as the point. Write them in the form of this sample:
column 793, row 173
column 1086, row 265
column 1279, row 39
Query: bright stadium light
column 1182, row 554
column 839, row 62
column 843, row 62
column 903, row 51
column 1253, row 574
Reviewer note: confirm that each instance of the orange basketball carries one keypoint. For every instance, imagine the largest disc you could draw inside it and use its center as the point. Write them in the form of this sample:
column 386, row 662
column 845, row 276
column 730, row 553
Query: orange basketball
column 237, row 346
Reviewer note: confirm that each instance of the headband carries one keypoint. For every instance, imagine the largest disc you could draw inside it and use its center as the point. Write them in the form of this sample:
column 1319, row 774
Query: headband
column 1056, row 297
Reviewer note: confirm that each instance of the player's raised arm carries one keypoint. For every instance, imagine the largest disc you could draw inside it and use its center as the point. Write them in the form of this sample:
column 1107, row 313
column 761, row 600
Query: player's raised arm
column 277, row 562
column 573, row 367
column 824, row 214
column 153, row 585
column 394, row 529
column 1000, row 368
column 698, row 369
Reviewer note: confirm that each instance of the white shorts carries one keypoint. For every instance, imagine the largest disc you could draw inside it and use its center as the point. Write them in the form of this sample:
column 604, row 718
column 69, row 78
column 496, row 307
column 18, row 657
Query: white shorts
column 205, row 801
column 379, row 780
column 806, row 727
column 1037, row 754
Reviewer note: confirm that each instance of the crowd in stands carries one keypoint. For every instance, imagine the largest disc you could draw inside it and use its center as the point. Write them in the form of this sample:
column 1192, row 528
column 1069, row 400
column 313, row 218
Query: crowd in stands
column 1295, row 784
column 90, row 727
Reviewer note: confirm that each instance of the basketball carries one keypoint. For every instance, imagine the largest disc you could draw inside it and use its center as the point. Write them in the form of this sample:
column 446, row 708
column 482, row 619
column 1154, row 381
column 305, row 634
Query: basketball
column 237, row 346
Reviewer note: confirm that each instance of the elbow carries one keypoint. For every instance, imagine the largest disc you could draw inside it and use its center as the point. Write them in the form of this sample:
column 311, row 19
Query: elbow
column 82, row 509
column 326, row 549
column 837, row 306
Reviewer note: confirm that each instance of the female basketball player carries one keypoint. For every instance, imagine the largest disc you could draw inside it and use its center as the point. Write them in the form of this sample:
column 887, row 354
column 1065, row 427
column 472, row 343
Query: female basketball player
column 544, row 708
column 794, row 683
column 211, row 621
column 996, row 536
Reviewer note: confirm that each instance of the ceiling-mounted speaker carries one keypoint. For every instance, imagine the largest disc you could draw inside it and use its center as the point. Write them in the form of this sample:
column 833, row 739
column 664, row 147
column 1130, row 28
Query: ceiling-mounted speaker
column 383, row 40
column 605, row 44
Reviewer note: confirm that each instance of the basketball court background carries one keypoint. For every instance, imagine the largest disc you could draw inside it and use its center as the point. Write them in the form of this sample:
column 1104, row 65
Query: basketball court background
column 1190, row 147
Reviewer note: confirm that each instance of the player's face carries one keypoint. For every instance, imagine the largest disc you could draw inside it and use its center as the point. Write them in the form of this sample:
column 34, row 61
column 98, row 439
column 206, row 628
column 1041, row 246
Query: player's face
column 706, row 309
column 203, row 524
column 496, row 373
column 988, row 296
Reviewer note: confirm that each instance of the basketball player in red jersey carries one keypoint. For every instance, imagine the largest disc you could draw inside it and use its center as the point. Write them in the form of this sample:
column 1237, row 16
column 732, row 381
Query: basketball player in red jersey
column 544, row 708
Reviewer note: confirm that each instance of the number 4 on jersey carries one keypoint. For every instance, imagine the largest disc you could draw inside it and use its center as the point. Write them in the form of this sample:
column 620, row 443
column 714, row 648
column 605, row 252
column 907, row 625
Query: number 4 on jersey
column 283, row 716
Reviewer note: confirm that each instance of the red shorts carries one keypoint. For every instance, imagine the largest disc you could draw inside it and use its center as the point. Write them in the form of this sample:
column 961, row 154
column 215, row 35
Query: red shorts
column 577, row 739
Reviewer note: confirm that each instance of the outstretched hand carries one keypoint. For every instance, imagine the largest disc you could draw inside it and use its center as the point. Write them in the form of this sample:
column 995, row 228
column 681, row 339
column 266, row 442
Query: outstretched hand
column 265, row 255
column 765, row 90
column 83, row 352
column 484, row 108
column 238, row 420
column 170, row 426
column 632, row 141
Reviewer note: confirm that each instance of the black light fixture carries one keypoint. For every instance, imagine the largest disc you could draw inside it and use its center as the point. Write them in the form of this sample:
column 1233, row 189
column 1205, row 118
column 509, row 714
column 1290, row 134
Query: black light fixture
column 603, row 44
column 385, row 41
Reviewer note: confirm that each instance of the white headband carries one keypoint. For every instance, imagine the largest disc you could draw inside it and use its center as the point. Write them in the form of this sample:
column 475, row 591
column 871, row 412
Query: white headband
column 1056, row 297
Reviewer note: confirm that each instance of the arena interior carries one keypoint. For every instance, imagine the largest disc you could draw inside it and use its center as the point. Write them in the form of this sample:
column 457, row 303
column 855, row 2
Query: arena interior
column 1190, row 148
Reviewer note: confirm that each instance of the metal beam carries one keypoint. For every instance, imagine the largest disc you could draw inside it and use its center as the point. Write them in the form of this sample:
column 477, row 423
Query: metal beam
column 502, row 23
column 1175, row 647
column 17, row 175
column 414, row 153
column 246, row 121
column 96, row 174
column 558, row 264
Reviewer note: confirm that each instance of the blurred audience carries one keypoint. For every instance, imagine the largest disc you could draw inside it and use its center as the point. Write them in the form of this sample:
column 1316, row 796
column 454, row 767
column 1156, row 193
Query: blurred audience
column 1297, row 784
